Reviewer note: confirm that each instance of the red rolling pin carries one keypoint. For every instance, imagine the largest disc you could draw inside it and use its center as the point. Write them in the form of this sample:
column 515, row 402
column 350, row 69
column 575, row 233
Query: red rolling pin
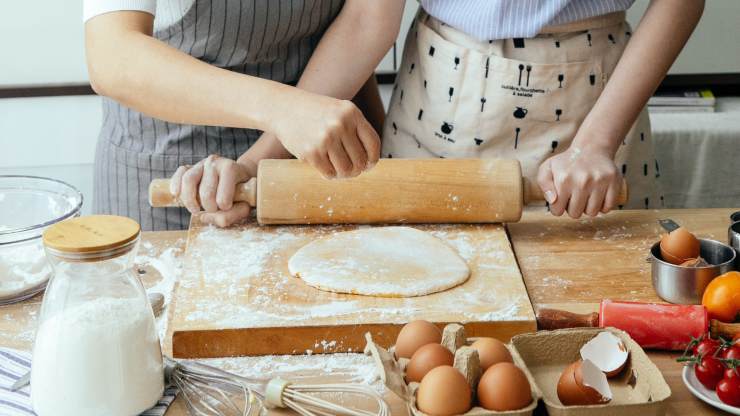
column 652, row 325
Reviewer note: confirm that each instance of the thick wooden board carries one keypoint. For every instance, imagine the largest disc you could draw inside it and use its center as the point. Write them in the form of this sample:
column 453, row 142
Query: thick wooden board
column 565, row 261
column 237, row 297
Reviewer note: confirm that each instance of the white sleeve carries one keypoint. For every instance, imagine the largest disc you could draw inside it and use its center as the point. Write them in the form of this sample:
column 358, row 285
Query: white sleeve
column 92, row 8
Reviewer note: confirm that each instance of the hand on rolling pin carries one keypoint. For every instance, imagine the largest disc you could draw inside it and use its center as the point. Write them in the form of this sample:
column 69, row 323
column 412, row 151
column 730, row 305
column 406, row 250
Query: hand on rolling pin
column 209, row 186
column 330, row 134
column 580, row 181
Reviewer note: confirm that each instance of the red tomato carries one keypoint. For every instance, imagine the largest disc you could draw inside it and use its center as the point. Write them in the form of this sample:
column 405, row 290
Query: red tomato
column 731, row 353
column 728, row 389
column 709, row 371
column 706, row 346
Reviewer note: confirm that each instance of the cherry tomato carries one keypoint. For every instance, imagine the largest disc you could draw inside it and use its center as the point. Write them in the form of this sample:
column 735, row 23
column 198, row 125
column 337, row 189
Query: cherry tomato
column 706, row 346
column 722, row 297
column 728, row 389
column 709, row 371
column 731, row 353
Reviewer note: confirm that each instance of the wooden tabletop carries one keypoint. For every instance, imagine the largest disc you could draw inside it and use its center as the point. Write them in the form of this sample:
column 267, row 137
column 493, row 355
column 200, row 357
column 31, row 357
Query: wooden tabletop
column 565, row 263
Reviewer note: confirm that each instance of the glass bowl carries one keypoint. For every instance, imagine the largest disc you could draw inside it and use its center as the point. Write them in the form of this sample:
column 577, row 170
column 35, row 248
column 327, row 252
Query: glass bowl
column 29, row 205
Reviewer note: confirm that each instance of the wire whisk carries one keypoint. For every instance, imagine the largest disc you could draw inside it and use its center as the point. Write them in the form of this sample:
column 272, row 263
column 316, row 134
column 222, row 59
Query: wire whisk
column 209, row 391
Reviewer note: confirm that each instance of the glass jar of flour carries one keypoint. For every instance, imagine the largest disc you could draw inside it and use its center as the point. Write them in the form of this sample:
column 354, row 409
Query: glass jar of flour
column 97, row 351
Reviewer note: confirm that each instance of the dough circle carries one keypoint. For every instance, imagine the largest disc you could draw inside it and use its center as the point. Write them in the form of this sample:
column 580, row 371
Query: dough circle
column 381, row 261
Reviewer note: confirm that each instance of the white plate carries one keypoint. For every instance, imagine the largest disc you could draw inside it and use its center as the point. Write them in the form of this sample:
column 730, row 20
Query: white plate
column 703, row 393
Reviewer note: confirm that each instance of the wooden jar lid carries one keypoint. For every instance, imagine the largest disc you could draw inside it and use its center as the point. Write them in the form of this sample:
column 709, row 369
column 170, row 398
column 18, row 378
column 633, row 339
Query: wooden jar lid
column 91, row 234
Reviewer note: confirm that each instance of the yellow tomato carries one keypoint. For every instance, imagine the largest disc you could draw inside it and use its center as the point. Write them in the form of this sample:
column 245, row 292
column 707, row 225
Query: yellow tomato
column 722, row 297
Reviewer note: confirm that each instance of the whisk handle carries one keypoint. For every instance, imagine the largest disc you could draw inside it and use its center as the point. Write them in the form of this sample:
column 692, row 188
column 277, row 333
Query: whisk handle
column 274, row 392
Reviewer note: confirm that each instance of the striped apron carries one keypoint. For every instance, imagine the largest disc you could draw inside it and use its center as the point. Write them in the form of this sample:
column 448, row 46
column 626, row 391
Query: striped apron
column 271, row 39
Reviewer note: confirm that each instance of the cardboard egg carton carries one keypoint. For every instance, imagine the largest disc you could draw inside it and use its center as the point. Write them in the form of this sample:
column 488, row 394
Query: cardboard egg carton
column 639, row 389
column 392, row 372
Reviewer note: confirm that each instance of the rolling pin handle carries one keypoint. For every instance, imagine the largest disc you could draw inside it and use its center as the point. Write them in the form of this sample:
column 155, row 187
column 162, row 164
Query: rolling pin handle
column 160, row 196
column 531, row 192
column 549, row 319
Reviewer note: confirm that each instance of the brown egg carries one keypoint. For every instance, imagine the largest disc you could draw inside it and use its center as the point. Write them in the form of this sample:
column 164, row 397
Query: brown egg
column 572, row 391
column 414, row 335
column 443, row 392
column 679, row 246
column 425, row 359
column 504, row 387
column 491, row 351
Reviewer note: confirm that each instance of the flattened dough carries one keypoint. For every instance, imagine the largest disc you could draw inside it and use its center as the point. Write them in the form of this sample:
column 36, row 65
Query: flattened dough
column 383, row 261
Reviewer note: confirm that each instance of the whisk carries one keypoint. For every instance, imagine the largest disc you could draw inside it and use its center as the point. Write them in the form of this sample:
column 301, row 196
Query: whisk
column 209, row 391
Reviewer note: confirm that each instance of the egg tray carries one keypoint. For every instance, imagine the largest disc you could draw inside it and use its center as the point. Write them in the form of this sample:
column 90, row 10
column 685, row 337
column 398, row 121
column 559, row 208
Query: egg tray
column 639, row 389
column 466, row 360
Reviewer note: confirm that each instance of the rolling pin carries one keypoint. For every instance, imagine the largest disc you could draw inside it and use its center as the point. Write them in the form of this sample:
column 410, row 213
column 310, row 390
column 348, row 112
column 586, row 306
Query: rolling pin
column 652, row 325
column 394, row 191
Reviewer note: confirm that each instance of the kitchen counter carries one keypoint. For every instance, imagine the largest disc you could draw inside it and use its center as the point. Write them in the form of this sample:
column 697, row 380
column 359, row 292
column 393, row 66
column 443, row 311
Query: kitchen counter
column 565, row 264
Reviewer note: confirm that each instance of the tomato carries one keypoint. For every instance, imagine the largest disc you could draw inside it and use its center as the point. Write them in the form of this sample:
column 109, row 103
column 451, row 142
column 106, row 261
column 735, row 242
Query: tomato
column 722, row 297
column 709, row 371
column 728, row 389
column 706, row 346
column 731, row 353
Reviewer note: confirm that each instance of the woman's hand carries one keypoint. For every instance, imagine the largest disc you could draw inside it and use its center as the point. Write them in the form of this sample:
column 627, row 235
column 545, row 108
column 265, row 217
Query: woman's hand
column 330, row 134
column 580, row 181
column 209, row 186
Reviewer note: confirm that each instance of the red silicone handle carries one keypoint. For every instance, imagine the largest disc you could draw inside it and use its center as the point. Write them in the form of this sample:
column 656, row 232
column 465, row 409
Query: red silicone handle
column 654, row 325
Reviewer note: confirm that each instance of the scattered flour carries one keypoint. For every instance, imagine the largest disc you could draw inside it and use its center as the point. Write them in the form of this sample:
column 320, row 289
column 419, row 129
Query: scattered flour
column 101, row 357
column 262, row 293
column 23, row 266
column 169, row 266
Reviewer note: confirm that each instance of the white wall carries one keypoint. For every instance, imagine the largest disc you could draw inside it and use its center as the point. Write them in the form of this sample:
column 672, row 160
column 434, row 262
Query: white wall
column 42, row 42
column 52, row 137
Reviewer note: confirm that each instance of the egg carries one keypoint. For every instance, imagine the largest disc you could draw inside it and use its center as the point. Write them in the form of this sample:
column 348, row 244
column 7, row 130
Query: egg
column 503, row 387
column 679, row 246
column 425, row 359
column 414, row 335
column 443, row 392
column 573, row 390
column 491, row 351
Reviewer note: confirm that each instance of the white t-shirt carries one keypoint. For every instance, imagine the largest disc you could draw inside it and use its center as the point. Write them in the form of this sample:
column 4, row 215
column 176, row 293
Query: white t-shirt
column 166, row 11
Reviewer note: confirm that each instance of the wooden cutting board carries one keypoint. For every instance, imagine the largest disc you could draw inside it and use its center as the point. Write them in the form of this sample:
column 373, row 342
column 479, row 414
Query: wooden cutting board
column 237, row 298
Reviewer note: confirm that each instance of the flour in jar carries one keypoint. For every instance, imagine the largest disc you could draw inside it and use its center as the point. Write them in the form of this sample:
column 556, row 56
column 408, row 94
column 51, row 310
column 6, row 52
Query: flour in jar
column 101, row 357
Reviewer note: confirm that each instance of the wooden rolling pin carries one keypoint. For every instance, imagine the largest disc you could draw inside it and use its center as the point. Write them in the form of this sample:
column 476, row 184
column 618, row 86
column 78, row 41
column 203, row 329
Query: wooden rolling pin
column 394, row 191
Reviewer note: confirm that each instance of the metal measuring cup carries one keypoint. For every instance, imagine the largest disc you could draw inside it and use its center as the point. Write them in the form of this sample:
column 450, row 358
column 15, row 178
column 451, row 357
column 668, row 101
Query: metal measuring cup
column 733, row 236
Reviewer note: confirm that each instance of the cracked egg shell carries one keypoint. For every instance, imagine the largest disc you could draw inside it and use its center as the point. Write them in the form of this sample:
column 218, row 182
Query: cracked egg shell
column 679, row 246
column 607, row 352
column 582, row 383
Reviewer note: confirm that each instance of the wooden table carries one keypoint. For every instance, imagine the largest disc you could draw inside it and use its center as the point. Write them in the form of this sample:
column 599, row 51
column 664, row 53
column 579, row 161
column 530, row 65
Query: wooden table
column 565, row 263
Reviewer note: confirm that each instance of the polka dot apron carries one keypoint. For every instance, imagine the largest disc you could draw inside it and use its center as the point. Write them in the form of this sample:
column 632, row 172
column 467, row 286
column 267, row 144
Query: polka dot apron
column 524, row 99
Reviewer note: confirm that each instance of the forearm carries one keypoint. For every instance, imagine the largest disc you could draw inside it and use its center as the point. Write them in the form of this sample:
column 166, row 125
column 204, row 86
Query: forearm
column 352, row 47
column 143, row 73
column 267, row 147
column 369, row 102
column 337, row 70
column 660, row 36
